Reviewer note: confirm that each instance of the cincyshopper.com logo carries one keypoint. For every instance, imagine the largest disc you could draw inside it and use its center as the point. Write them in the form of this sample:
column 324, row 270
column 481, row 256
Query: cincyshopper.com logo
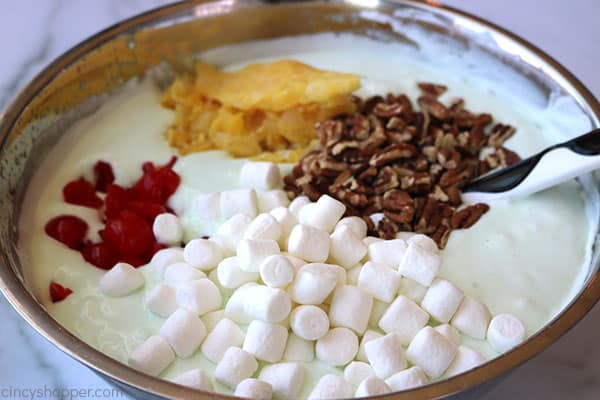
column 52, row 393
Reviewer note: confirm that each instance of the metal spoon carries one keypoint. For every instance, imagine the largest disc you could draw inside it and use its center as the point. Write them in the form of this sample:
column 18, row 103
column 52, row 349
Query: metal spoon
column 549, row 167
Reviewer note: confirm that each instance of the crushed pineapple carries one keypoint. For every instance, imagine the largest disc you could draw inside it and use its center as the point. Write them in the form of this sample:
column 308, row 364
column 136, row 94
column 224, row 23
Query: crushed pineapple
column 263, row 110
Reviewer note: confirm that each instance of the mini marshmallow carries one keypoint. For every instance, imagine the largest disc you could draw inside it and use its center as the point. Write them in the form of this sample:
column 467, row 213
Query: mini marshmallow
column 341, row 278
column 254, row 389
column 212, row 318
column 330, row 387
column 379, row 308
column 208, row 206
column 194, row 378
column 232, row 231
column 409, row 378
column 405, row 235
column 165, row 257
column 298, row 349
column 260, row 175
column 309, row 243
column 235, row 366
column 431, row 351
column 412, row 289
column 313, row 283
column 296, row 262
column 182, row 272
column 403, row 317
column 466, row 358
column 297, row 204
column 234, row 309
column 353, row 274
column 371, row 239
column 358, row 371
column 420, row 264
column 267, row 304
column 304, row 215
column 167, row 229
column 287, row 221
column 269, row 200
column 449, row 332
column 219, row 241
column 161, row 300
column 231, row 276
column 380, row 281
column 238, row 201
column 351, row 308
column 388, row 252
column 200, row 296
column 386, row 355
column 251, row 252
column 442, row 300
column 338, row 347
column 202, row 254
column 285, row 378
column 505, row 332
column 346, row 249
column 423, row 241
column 264, row 226
column 368, row 336
column 325, row 214
column 309, row 322
column 277, row 271
column 472, row 318
column 372, row 386
column 265, row 341
column 224, row 335
column 152, row 357
column 356, row 224
column 184, row 331
column 121, row 280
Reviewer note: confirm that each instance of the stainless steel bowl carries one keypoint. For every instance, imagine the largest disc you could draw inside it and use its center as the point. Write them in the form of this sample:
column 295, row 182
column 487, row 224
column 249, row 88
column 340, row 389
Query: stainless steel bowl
column 75, row 84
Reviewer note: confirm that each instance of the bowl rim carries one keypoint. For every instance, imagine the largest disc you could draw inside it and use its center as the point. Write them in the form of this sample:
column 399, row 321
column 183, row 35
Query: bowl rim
column 35, row 314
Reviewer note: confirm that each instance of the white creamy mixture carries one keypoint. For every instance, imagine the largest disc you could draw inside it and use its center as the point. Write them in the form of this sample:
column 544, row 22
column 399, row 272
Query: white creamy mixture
column 528, row 257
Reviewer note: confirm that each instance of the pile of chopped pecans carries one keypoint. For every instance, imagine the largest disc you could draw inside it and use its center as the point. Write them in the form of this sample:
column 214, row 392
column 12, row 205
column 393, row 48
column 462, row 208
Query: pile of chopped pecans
column 407, row 164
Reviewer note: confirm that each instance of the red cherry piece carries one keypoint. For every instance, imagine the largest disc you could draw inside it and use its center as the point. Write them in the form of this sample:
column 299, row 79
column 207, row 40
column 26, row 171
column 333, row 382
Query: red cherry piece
column 116, row 200
column 129, row 234
column 157, row 184
column 67, row 229
column 58, row 292
column 81, row 193
column 146, row 210
column 104, row 176
column 102, row 255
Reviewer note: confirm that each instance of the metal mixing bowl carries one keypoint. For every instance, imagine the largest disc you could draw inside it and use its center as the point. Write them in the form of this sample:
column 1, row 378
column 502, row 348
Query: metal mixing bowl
column 76, row 83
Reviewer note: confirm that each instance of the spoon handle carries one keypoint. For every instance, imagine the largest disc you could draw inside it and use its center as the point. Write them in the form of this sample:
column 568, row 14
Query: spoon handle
column 549, row 167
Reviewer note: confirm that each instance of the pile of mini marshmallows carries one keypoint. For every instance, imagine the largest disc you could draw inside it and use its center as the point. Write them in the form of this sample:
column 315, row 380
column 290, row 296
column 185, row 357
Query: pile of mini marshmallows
column 304, row 283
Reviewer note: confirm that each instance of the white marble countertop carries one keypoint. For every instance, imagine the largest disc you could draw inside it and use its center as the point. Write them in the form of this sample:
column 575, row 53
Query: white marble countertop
column 34, row 32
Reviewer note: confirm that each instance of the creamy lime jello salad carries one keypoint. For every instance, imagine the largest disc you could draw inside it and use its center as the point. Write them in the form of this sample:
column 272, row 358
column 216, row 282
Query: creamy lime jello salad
column 274, row 259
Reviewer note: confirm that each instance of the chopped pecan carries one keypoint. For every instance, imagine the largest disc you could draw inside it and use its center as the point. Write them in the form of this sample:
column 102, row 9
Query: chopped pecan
column 387, row 229
column 434, row 107
column 388, row 110
column 393, row 153
column 409, row 165
column 500, row 133
column 432, row 88
column 467, row 217
column 387, row 179
column 396, row 200
column 348, row 196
